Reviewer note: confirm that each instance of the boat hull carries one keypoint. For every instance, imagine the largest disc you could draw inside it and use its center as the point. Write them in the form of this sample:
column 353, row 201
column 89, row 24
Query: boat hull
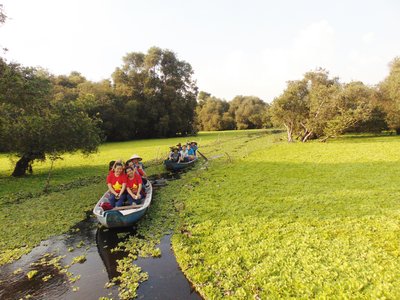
column 122, row 218
column 174, row 166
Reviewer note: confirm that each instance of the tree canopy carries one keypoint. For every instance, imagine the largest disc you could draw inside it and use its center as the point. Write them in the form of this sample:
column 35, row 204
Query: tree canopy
column 390, row 95
column 321, row 107
column 243, row 112
column 34, row 126
column 158, row 92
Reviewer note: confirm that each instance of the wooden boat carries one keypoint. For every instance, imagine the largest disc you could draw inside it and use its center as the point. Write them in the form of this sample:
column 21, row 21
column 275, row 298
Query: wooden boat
column 123, row 216
column 174, row 166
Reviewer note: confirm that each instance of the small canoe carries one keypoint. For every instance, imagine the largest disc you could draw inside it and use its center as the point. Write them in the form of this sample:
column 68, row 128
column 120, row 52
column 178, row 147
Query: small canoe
column 123, row 216
column 174, row 166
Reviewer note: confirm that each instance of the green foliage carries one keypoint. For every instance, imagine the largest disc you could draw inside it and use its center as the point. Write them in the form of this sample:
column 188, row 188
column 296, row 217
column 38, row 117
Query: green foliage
column 157, row 94
column 311, row 221
column 78, row 259
column 31, row 221
column 390, row 95
column 212, row 114
column 44, row 127
column 31, row 274
column 243, row 112
column 353, row 105
column 320, row 107
column 77, row 184
column 249, row 112
column 291, row 108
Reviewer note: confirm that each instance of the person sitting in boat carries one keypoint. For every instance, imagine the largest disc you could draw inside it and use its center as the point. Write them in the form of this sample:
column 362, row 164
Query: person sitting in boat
column 194, row 146
column 179, row 146
column 184, row 157
column 171, row 151
column 111, row 165
column 136, row 161
column 191, row 152
column 174, row 155
column 133, row 185
column 116, row 182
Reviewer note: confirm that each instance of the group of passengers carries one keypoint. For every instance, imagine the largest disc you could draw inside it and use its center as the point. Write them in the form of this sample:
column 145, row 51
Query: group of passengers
column 183, row 153
column 126, row 181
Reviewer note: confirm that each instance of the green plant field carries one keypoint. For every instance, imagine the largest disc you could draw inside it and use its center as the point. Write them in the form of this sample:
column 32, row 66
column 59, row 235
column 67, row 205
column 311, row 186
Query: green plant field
column 262, row 219
column 77, row 183
column 317, row 220
column 75, row 166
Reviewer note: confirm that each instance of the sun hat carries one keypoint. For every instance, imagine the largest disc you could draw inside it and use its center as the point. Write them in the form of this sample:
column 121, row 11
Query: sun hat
column 135, row 156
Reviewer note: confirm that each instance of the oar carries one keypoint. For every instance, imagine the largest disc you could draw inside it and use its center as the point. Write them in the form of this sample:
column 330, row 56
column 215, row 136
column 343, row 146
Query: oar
column 127, row 207
column 202, row 155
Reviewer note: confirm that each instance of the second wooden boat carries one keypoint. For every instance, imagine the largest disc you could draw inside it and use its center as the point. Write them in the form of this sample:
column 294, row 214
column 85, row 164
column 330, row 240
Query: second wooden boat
column 174, row 166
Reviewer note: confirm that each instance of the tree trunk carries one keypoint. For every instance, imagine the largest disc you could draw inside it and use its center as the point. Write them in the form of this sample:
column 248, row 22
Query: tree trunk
column 289, row 130
column 21, row 166
column 46, row 187
column 305, row 138
column 25, row 163
column 398, row 131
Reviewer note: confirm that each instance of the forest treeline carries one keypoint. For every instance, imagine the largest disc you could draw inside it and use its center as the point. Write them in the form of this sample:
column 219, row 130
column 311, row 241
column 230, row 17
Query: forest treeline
column 316, row 106
column 44, row 115
column 154, row 94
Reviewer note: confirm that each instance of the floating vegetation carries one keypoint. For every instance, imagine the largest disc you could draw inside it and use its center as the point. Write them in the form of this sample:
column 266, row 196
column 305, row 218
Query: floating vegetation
column 312, row 221
column 47, row 277
column 75, row 288
column 78, row 259
column 80, row 244
column 74, row 279
column 31, row 274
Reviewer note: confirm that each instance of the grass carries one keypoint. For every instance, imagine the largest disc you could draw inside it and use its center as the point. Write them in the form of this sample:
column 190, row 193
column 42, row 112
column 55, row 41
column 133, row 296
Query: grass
column 263, row 220
column 75, row 166
column 295, row 221
column 30, row 215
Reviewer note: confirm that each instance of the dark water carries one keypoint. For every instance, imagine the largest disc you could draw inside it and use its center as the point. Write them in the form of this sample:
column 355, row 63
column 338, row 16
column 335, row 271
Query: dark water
column 166, row 281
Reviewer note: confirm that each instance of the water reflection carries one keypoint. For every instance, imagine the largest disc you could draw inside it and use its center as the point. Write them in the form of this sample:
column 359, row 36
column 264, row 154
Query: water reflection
column 166, row 281
column 106, row 240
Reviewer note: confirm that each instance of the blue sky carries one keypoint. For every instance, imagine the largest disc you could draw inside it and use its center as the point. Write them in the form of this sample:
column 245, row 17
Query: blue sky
column 235, row 47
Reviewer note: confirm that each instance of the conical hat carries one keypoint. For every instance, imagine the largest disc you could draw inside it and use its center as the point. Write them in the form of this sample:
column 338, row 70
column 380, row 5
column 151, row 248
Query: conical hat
column 135, row 156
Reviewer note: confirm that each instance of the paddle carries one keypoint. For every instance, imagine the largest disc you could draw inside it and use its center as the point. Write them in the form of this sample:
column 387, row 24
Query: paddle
column 127, row 207
column 202, row 155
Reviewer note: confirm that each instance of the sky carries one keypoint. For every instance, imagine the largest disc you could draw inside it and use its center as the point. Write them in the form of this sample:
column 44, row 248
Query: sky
column 235, row 48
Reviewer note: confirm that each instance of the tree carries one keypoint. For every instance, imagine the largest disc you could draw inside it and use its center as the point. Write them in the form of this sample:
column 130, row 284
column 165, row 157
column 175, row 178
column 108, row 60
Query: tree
column 352, row 105
column 249, row 112
column 389, row 90
column 212, row 114
column 33, row 126
column 291, row 108
column 320, row 107
column 160, row 91
column 321, row 93
column 3, row 18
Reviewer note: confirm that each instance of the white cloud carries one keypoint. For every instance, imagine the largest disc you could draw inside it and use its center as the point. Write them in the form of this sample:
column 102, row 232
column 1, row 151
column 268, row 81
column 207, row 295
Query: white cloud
column 264, row 72
column 312, row 47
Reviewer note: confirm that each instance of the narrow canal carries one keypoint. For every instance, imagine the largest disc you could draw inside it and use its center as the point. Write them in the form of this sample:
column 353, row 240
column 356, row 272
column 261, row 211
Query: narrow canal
column 78, row 265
